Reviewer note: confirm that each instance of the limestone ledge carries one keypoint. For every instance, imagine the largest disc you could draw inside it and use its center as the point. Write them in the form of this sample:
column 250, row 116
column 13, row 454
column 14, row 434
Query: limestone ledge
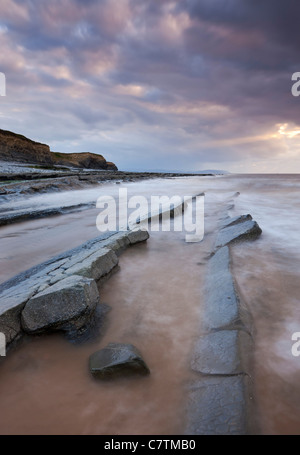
column 62, row 293
column 220, row 395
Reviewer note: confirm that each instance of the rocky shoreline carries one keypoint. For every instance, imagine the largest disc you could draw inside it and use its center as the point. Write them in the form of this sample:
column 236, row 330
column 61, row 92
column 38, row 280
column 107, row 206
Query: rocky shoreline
column 33, row 183
column 17, row 181
column 220, row 396
column 62, row 294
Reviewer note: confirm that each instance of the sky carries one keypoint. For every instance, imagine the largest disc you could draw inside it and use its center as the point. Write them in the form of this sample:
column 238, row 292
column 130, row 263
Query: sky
column 156, row 84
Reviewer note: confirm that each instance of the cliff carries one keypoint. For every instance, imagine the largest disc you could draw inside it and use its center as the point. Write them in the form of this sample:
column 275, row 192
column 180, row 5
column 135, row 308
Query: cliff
column 82, row 160
column 18, row 148
column 15, row 147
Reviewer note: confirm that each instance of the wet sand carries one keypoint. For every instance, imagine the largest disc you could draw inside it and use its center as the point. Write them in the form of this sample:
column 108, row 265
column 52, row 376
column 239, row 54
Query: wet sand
column 26, row 244
column 157, row 300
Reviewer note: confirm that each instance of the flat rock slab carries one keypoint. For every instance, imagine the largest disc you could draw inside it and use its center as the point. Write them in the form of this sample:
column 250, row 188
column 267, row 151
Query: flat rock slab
column 247, row 230
column 217, row 353
column 118, row 242
column 216, row 406
column 222, row 307
column 231, row 221
column 117, row 360
column 170, row 210
column 96, row 265
column 218, row 398
column 63, row 306
column 94, row 259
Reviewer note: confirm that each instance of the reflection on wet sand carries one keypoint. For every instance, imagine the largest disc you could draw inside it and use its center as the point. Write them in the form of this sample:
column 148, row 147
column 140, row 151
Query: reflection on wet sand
column 156, row 301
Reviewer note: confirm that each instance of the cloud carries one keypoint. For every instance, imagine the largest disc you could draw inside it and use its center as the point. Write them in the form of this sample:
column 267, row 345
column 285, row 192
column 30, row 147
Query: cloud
column 152, row 84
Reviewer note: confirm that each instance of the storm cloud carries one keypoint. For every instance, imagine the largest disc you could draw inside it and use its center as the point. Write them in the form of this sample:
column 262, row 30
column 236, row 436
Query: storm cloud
column 186, row 85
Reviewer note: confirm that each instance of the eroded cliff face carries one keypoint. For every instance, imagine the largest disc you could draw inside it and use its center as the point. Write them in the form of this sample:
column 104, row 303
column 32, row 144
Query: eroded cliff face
column 18, row 148
column 82, row 160
column 15, row 147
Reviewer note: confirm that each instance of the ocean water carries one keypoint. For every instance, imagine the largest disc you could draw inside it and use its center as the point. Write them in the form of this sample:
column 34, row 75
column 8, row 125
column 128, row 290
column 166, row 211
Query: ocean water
column 156, row 301
column 267, row 273
column 28, row 243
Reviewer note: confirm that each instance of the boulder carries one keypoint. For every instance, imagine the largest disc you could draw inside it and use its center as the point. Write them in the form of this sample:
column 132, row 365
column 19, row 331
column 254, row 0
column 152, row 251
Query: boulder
column 10, row 321
column 46, row 284
column 117, row 360
column 138, row 235
column 67, row 306
column 13, row 301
